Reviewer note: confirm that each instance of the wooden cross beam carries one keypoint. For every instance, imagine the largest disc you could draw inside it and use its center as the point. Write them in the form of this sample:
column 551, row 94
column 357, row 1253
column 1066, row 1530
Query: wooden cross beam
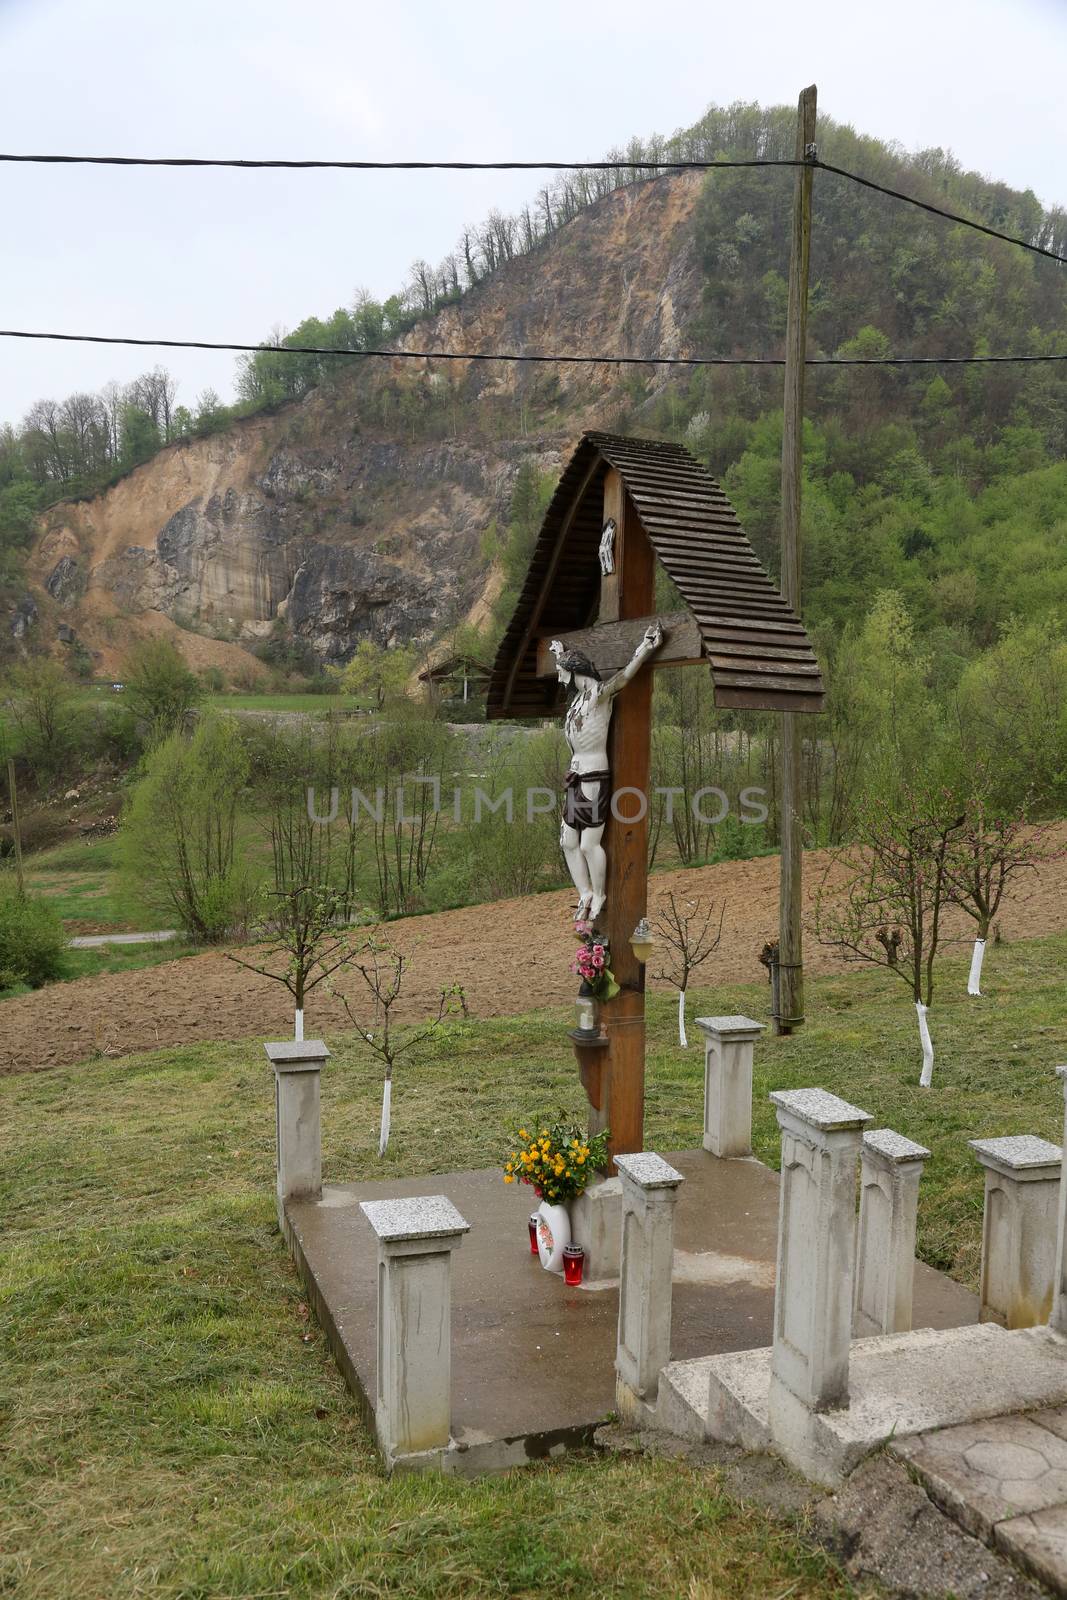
column 611, row 644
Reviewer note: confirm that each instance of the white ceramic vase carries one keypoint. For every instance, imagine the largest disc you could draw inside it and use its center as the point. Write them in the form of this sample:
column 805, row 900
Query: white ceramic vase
column 553, row 1235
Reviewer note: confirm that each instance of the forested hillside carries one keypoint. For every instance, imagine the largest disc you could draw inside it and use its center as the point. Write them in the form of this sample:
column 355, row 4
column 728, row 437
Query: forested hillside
column 945, row 485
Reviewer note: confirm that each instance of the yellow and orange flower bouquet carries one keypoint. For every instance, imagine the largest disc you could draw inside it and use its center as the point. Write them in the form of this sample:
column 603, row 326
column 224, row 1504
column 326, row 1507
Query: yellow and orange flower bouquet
column 558, row 1162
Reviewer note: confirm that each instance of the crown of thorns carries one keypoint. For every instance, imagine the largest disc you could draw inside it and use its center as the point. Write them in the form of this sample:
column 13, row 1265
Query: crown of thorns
column 577, row 662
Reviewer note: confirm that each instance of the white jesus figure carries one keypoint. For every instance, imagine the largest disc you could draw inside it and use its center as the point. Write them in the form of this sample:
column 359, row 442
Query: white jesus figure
column 588, row 781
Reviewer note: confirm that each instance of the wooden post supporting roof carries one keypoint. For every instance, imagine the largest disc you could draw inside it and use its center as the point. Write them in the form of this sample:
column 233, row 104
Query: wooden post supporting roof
column 791, row 878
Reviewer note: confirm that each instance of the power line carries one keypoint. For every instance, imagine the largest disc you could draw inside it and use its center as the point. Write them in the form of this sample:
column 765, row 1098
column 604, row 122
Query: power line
column 402, row 166
column 527, row 356
column 649, row 165
column 938, row 211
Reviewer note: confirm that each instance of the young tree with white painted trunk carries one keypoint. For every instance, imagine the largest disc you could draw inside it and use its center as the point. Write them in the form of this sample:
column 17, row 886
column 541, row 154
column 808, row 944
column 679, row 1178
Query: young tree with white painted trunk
column 994, row 848
column 690, row 942
column 383, row 969
column 305, row 941
column 888, row 910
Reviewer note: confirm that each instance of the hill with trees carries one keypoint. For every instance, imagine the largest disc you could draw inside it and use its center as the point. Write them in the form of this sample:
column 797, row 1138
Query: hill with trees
column 341, row 500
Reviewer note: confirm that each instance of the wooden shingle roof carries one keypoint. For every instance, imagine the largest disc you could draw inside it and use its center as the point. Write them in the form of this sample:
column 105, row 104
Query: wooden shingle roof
column 755, row 644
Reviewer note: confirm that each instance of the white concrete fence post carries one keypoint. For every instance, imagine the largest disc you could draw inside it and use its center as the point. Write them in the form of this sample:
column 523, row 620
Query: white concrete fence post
column 1058, row 1319
column 297, row 1067
column 643, row 1347
column 890, row 1169
column 816, row 1249
column 1022, row 1202
column 416, row 1238
column 728, row 1048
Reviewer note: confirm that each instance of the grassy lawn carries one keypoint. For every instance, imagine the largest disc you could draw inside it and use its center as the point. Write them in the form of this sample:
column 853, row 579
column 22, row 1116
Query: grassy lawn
column 314, row 704
column 173, row 1424
column 79, row 880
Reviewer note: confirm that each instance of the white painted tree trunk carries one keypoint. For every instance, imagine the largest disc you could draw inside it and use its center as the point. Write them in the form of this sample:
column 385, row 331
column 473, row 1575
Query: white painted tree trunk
column 928, row 1047
column 299, row 1033
column 387, row 1106
column 974, row 980
column 682, row 1040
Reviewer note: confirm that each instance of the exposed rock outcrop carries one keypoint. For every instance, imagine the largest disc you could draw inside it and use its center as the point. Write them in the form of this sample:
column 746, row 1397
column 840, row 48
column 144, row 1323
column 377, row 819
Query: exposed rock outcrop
column 361, row 511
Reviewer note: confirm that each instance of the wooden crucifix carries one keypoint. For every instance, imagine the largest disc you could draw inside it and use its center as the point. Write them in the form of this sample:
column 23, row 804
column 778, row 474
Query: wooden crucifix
column 626, row 639
column 623, row 506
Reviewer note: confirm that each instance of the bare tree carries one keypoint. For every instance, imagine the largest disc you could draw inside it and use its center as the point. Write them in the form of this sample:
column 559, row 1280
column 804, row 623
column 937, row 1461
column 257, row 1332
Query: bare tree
column 43, row 439
column 304, row 943
column 468, row 243
column 383, row 969
column 422, row 284
column 153, row 393
column 992, row 849
column 895, row 891
column 687, row 930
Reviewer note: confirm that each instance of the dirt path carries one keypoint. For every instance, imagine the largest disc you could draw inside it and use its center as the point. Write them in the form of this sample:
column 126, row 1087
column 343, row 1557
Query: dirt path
column 510, row 956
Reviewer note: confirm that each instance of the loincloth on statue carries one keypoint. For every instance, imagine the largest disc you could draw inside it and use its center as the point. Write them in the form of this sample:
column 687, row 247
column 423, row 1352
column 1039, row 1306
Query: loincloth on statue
column 581, row 812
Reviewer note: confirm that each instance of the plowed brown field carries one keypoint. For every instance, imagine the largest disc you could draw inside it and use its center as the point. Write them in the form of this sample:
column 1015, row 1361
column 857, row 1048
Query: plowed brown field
column 510, row 956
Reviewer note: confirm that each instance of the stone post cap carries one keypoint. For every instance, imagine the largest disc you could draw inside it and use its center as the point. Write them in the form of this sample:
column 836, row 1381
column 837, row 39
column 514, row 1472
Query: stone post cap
column 297, row 1055
column 893, row 1146
column 820, row 1109
column 648, row 1170
column 424, row 1216
column 731, row 1027
column 1018, row 1153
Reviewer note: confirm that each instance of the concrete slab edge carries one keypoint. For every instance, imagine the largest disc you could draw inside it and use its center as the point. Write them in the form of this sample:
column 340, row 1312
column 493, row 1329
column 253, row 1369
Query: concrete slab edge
column 463, row 1458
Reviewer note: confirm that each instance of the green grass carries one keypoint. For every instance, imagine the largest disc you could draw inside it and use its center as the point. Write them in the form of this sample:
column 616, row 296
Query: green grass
column 315, row 704
column 173, row 1423
column 126, row 957
column 80, row 881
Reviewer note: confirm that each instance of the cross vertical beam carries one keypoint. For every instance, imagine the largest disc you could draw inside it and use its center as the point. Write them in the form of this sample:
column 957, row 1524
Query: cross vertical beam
column 790, row 948
column 629, row 592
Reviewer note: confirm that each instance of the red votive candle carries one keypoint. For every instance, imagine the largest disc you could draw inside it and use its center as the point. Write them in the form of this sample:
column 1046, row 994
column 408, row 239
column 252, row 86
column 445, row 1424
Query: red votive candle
column 533, row 1233
column 573, row 1262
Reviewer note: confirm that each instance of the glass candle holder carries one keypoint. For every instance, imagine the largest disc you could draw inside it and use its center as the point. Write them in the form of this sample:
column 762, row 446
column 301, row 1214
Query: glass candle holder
column 586, row 1015
column 533, row 1233
column 573, row 1262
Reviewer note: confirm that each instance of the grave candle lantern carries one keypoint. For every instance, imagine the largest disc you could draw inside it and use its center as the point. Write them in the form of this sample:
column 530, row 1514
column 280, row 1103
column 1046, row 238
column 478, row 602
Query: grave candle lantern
column 586, row 1014
column 533, row 1233
column 573, row 1261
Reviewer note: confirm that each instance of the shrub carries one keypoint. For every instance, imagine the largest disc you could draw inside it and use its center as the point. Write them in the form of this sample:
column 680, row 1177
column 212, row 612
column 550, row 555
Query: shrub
column 32, row 942
column 178, row 839
column 160, row 689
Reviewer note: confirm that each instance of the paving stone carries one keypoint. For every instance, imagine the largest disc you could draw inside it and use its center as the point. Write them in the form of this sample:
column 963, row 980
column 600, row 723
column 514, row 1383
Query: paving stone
column 986, row 1472
column 1054, row 1419
column 882, row 1526
column 1038, row 1542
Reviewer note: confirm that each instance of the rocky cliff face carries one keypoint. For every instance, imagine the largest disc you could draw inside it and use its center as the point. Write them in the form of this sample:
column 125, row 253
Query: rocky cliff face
column 359, row 511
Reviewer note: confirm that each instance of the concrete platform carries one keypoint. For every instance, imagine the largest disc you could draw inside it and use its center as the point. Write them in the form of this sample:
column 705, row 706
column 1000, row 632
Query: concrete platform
column 533, row 1361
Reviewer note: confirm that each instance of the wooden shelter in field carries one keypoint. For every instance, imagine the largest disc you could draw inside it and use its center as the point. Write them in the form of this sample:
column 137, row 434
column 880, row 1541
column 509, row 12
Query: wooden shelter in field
column 736, row 621
column 457, row 677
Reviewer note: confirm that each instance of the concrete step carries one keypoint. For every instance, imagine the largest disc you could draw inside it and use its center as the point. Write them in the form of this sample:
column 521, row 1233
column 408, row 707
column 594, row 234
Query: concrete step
column 682, row 1399
column 899, row 1384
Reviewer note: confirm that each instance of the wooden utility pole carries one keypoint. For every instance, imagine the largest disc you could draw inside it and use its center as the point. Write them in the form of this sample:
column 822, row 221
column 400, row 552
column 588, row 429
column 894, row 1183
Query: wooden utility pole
column 16, row 828
column 790, row 946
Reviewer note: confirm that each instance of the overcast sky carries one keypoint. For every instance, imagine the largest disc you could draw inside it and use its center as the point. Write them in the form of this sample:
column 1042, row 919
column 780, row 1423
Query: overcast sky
column 225, row 255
